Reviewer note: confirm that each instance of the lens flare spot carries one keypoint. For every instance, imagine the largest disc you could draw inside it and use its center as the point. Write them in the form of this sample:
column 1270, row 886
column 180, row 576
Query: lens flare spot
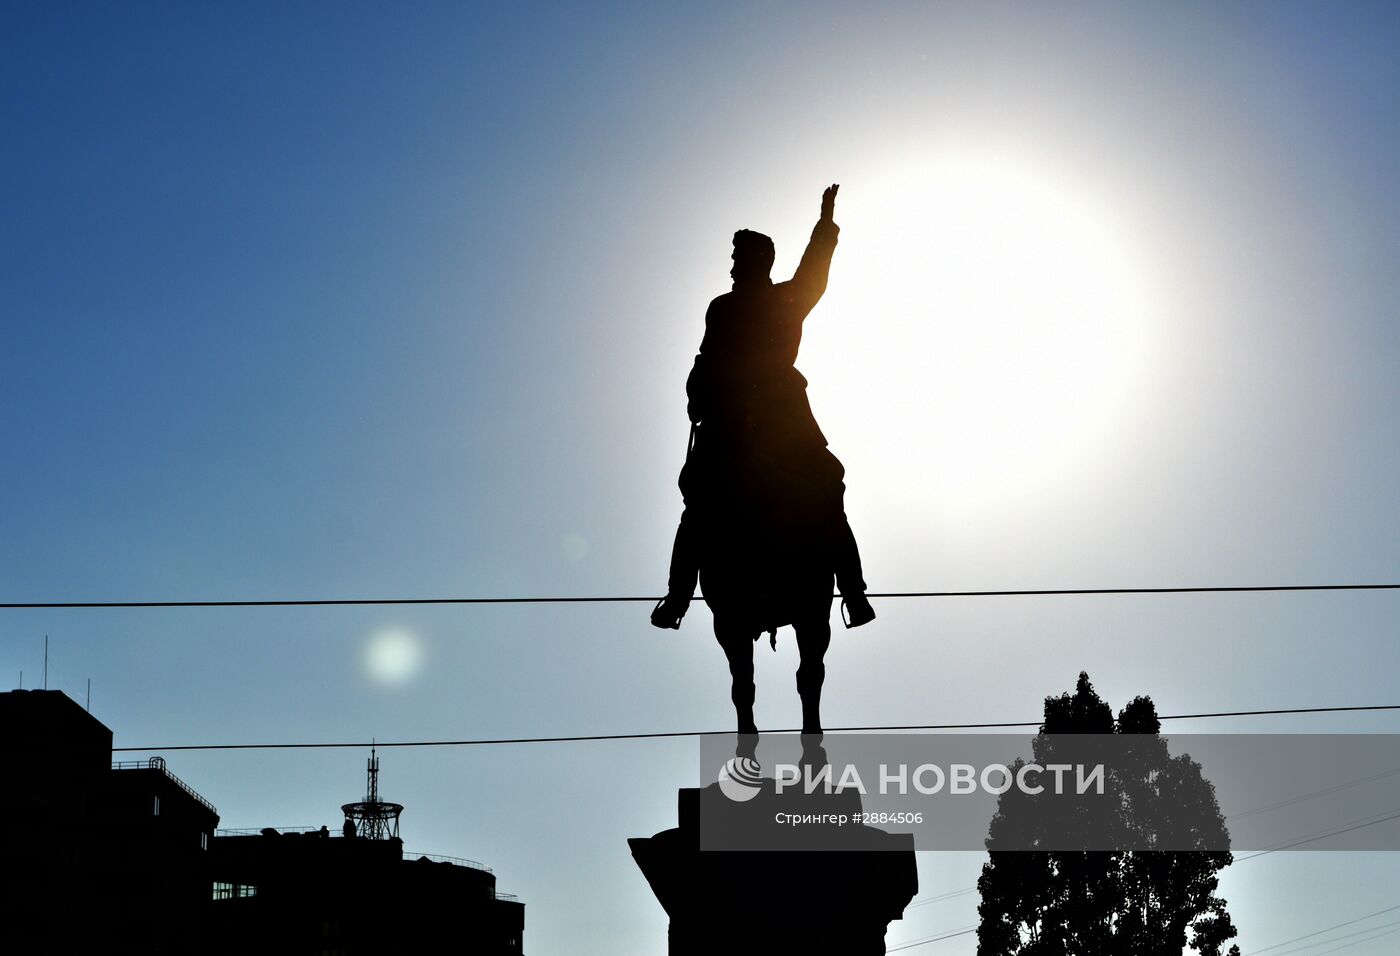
column 393, row 656
column 574, row 547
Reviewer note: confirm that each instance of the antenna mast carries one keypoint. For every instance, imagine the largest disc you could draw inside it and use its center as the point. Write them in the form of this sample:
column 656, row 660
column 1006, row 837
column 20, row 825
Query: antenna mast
column 374, row 818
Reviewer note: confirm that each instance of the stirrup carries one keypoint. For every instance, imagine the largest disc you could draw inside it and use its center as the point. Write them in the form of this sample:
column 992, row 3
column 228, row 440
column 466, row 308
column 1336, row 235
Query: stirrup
column 669, row 612
column 859, row 612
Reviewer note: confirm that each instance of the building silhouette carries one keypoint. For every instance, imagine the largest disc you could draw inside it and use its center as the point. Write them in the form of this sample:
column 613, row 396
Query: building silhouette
column 126, row 858
column 354, row 891
column 98, row 856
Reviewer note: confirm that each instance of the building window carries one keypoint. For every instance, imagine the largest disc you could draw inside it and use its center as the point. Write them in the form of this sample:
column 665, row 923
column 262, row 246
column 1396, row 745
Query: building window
column 155, row 810
column 203, row 840
column 234, row 891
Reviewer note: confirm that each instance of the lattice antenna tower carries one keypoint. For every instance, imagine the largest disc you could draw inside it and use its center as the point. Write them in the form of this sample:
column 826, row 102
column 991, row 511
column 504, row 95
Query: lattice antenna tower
column 375, row 819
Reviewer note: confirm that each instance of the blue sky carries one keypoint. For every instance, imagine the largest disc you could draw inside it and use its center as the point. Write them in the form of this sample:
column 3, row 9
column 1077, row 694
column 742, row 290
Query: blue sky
column 374, row 300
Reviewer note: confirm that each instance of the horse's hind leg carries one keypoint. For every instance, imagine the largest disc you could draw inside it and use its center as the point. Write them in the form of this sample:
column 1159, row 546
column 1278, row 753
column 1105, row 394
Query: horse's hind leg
column 737, row 642
column 813, row 638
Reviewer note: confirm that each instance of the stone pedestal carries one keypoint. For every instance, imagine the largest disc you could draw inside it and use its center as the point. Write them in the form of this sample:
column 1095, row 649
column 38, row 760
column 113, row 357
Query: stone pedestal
column 742, row 902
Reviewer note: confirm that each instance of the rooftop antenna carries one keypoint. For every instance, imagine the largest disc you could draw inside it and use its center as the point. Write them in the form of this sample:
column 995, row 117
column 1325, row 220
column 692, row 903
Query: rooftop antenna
column 46, row 662
column 374, row 818
column 89, row 696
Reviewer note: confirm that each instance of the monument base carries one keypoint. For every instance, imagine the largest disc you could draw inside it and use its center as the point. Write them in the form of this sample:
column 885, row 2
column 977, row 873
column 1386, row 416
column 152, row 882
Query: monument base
column 776, row 901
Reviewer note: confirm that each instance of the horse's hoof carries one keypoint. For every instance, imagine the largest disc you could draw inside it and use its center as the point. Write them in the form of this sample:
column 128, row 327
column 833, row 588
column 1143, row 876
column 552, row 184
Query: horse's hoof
column 856, row 610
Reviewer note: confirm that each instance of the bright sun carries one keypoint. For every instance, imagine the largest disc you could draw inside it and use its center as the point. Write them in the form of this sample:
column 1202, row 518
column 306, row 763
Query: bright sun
column 987, row 332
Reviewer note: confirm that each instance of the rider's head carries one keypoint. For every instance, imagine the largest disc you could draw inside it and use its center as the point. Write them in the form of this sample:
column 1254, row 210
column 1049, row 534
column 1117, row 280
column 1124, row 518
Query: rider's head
column 753, row 257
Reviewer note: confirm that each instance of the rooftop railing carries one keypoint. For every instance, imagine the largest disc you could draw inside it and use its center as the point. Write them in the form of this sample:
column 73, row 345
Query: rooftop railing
column 158, row 763
column 439, row 858
column 409, row 855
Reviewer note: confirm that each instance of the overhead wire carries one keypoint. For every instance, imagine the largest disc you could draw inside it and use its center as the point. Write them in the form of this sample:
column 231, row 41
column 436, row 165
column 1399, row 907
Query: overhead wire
column 1324, row 834
column 1299, row 939
column 931, row 939
column 1374, row 932
column 579, row 738
column 1358, row 942
column 633, row 599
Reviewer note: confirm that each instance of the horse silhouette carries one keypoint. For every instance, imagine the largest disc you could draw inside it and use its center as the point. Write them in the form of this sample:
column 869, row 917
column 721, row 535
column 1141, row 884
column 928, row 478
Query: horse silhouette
column 767, row 558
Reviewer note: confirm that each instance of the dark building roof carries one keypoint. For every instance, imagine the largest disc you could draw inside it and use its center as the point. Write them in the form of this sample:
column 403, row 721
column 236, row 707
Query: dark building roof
column 95, row 845
column 47, row 728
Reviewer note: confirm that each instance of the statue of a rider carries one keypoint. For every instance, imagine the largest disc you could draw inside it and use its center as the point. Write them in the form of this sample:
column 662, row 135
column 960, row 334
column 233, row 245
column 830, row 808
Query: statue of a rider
column 764, row 528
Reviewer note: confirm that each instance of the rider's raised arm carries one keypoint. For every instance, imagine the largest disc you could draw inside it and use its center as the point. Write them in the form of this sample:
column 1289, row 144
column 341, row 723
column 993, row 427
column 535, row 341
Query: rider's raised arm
column 809, row 282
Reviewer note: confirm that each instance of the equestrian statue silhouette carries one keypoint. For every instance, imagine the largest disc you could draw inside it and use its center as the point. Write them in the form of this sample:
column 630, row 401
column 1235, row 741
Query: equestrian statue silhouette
column 764, row 529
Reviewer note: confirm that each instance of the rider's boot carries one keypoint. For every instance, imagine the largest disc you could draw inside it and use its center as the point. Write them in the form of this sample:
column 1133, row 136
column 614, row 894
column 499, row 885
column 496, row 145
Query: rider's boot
column 685, row 570
column 855, row 609
column 670, row 609
column 855, row 606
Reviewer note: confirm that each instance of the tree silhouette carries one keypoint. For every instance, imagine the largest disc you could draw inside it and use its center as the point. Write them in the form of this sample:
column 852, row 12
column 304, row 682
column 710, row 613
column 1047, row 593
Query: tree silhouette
column 1131, row 902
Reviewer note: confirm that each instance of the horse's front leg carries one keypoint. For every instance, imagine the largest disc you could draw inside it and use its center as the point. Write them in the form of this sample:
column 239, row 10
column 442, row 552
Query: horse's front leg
column 813, row 638
column 737, row 642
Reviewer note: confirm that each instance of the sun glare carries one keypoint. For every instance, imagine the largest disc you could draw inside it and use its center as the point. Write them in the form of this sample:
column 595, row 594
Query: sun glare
column 987, row 332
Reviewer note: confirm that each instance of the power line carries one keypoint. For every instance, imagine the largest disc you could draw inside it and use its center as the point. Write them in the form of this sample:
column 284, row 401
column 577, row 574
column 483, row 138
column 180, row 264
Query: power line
column 941, row 898
column 1379, row 931
column 1308, row 838
column 1375, row 932
column 1316, row 793
column 581, row 738
column 1328, row 929
column 624, row 599
column 930, row 939
column 1322, row 835
column 1358, row 942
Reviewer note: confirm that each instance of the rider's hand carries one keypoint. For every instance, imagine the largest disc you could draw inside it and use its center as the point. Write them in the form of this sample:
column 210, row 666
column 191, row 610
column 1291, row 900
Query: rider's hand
column 829, row 202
